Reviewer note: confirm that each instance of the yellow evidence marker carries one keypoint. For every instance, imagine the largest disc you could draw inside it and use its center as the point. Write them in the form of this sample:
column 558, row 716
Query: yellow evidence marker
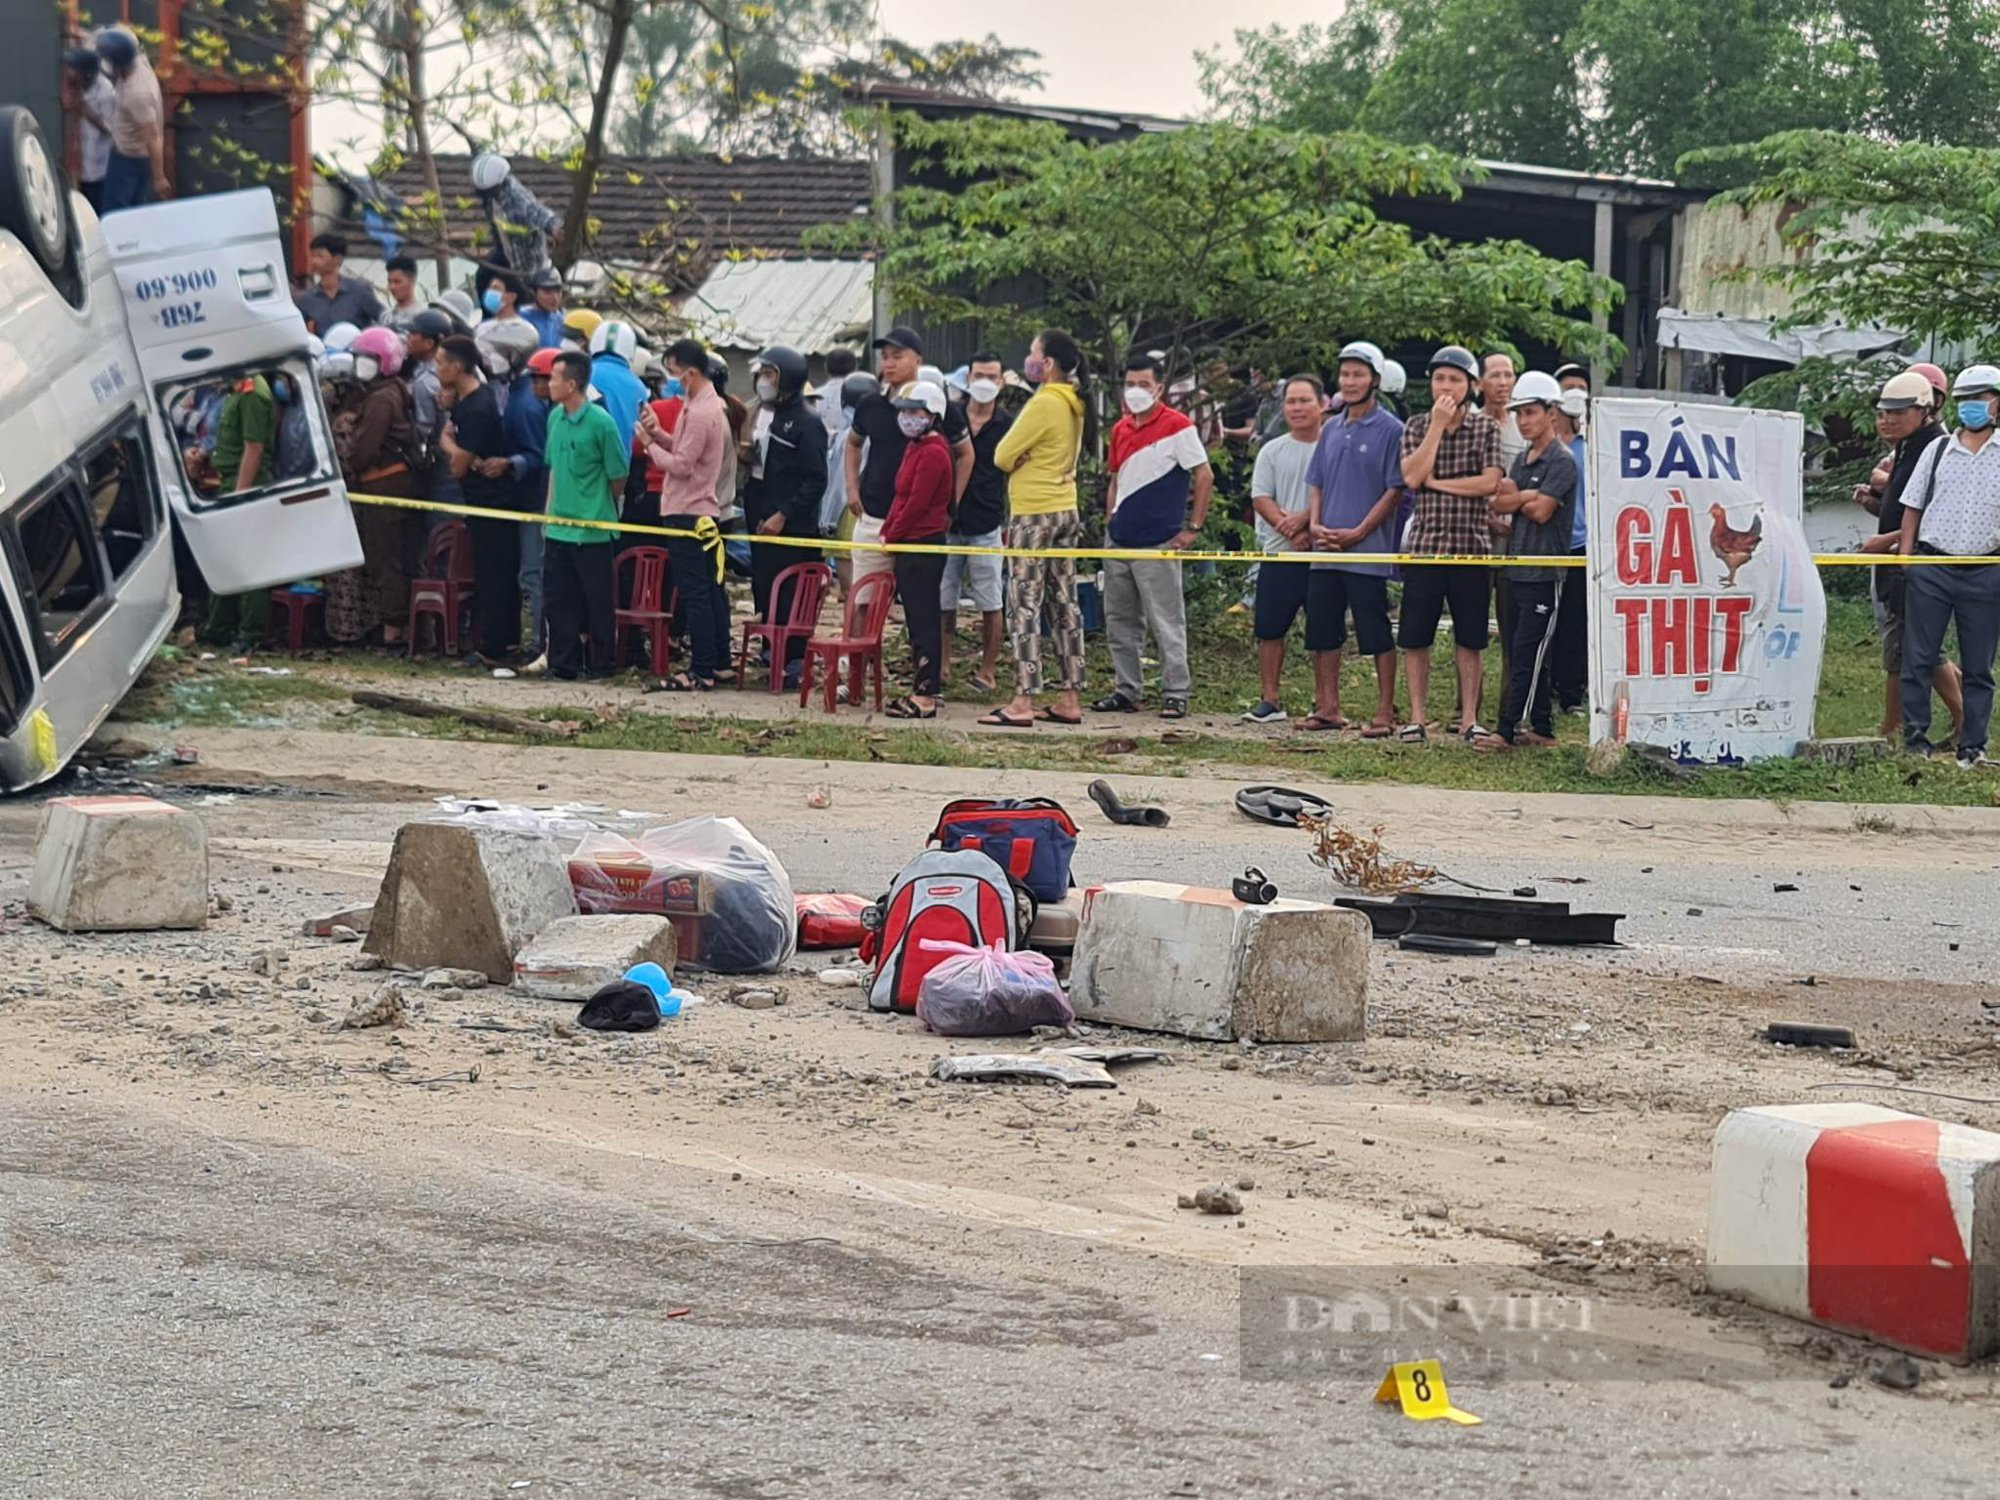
column 1419, row 1386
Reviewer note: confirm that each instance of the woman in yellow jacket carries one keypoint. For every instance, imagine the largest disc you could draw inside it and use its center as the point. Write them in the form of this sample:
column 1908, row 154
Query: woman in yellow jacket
column 1039, row 455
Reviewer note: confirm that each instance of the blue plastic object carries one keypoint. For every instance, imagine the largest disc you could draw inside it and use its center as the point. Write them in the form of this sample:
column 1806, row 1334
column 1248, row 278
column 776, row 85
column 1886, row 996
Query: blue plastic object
column 654, row 978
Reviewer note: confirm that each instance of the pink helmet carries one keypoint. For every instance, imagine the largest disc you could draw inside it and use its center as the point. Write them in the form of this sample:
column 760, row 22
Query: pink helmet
column 383, row 345
column 1934, row 375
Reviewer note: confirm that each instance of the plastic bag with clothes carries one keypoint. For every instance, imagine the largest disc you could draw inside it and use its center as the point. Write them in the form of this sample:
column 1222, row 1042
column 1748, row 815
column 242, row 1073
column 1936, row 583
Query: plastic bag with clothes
column 727, row 895
column 990, row 992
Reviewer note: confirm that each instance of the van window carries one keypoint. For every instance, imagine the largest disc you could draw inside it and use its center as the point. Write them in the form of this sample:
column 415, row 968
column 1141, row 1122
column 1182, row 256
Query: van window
column 245, row 431
column 124, row 501
column 15, row 685
column 56, row 564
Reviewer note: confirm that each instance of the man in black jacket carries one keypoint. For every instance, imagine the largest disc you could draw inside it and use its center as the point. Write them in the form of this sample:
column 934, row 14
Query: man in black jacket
column 788, row 482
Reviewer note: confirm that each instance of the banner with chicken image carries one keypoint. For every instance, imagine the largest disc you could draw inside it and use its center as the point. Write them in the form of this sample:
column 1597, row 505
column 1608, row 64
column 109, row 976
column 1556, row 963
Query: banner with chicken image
column 1707, row 620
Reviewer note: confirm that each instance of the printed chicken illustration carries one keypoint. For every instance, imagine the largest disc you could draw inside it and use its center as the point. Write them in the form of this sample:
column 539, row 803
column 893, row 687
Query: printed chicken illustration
column 1734, row 547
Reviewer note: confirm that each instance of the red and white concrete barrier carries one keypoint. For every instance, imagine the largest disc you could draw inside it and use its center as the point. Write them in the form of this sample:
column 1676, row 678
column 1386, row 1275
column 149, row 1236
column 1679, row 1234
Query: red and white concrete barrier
column 1862, row 1219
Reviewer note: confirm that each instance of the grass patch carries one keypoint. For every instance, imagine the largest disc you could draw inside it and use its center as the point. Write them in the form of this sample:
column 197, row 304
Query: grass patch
column 315, row 695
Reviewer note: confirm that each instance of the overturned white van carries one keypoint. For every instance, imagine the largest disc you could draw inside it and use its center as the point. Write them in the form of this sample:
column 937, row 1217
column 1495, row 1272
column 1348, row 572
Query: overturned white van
column 105, row 332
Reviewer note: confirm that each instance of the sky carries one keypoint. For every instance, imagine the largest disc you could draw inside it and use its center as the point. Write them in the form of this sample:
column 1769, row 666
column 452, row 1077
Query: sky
column 1136, row 56
column 1097, row 54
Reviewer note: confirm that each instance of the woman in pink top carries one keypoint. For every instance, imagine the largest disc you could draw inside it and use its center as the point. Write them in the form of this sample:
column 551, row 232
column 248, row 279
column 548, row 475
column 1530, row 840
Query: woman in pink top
column 921, row 512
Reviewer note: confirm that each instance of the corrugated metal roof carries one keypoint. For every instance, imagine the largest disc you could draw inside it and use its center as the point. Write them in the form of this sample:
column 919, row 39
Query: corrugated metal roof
column 812, row 305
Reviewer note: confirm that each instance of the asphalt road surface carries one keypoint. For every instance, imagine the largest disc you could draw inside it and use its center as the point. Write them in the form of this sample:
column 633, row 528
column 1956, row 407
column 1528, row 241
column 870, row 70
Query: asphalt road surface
column 203, row 1293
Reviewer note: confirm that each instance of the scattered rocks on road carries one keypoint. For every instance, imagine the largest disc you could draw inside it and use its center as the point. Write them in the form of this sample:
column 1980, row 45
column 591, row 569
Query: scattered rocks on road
column 1212, row 1200
column 386, row 1007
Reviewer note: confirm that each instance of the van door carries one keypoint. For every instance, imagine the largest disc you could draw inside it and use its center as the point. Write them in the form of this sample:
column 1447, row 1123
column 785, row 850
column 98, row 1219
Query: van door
column 221, row 347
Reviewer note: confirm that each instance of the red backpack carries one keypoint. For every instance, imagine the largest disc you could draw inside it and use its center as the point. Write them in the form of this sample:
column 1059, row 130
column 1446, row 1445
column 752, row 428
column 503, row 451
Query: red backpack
column 947, row 897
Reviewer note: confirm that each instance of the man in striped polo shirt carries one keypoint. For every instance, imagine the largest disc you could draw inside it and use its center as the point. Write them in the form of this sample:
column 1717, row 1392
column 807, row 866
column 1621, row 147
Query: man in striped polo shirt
column 1160, row 488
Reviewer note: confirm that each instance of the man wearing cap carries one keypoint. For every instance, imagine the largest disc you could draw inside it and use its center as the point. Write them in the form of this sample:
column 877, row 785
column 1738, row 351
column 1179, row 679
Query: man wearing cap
column 547, row 313
column 137, row 170
column 1451, row 459
column 899, row 354
column 427, row 330
column 1539, row 493
column 1569, row 662
column 1356, row 487
column 1951, row 508
column 1906, row 419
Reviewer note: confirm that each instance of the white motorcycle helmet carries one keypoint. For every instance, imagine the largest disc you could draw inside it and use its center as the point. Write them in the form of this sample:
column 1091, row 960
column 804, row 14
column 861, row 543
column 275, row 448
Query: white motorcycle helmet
column 489, row 170
column 615, row 337
column 1395, row 379
column 338, row 337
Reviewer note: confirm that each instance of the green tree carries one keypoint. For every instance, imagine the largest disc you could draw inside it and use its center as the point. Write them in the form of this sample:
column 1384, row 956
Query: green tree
column 1219, row 242
column 1623, row 85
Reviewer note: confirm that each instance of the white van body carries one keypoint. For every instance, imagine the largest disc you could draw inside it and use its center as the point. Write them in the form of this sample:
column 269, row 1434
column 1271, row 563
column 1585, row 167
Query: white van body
column 89, row 470
column 206, row 297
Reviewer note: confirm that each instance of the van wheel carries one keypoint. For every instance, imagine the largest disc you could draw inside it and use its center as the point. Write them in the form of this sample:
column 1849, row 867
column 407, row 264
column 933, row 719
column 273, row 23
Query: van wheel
column 34, row 200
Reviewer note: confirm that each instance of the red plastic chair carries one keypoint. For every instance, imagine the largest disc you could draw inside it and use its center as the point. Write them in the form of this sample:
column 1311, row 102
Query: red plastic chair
column 644, row 610
column 295, row 611
column 860, row 642
column 808, row 582
column 445, row 589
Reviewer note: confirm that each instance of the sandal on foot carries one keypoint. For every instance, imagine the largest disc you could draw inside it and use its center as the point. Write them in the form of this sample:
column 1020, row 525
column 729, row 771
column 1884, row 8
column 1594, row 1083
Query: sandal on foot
column 909, row 708
column 1001, row 719
column 683, row 682
column 1173, row 708
column 1377, row 731
column 985, row 687
column 1316, row 724
column 1413, row 734
column 1050, row 716
column 1114, row 703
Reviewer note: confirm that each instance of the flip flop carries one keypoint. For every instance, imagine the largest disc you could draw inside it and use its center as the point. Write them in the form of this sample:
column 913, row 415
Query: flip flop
column 1376, row 731
column 1314, row 724
column 1001, row 719
column 1050, row 716
column 908, row 708
column 1280, row 806
column 981, row 686
column 681, row 682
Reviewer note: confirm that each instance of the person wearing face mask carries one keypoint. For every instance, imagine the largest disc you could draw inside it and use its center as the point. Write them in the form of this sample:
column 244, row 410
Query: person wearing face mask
column 872, row 486
column 1951, row 508
column 690, row 458
column 978, row 522
column 376, row 458
column 920, row 513
column 501, row 303
column 295, row 455
column 784, row 495
column 1161, row 483
column 1039, row 456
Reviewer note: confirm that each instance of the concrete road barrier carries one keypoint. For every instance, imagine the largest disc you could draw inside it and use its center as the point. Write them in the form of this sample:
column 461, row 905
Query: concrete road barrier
column 1863, row 1219
column 1198, row 962
column 119, row 864
column 458, row 896
column 575, row 957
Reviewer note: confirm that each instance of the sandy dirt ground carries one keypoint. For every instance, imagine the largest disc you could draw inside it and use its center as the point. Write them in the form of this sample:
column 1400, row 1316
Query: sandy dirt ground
column 451, row 1257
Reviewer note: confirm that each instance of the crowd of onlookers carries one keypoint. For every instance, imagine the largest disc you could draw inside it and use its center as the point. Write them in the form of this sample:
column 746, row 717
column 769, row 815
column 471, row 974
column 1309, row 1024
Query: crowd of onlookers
column 513, row 404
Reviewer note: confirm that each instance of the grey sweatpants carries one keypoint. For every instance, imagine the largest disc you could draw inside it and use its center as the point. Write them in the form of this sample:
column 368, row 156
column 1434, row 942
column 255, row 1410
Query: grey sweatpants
column 1935, row 598
column 1138, row 597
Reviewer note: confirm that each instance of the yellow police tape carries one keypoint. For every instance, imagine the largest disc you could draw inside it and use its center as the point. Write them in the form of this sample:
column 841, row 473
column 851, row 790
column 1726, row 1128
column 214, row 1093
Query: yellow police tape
column 706, row 532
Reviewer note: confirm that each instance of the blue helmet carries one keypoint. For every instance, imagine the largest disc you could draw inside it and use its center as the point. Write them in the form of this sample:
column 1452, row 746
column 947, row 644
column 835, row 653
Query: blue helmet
column 118, row 47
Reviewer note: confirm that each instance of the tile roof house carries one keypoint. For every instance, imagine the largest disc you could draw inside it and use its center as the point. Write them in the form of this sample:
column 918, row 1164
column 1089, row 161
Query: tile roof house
column 677, row 214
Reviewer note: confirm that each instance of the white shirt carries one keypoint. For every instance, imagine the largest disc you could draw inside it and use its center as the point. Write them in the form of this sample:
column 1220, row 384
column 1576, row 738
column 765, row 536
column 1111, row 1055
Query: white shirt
column 1512, row 444
column 100, row 100
column 1961, row 504
column 1280, row 475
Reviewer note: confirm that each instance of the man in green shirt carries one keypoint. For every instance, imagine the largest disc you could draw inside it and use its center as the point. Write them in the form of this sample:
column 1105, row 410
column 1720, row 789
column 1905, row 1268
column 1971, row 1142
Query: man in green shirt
column 241, row 462
column 587, row 461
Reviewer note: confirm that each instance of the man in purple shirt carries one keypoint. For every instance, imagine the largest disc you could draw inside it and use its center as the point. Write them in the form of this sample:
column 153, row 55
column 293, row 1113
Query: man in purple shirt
column 1355, row 484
